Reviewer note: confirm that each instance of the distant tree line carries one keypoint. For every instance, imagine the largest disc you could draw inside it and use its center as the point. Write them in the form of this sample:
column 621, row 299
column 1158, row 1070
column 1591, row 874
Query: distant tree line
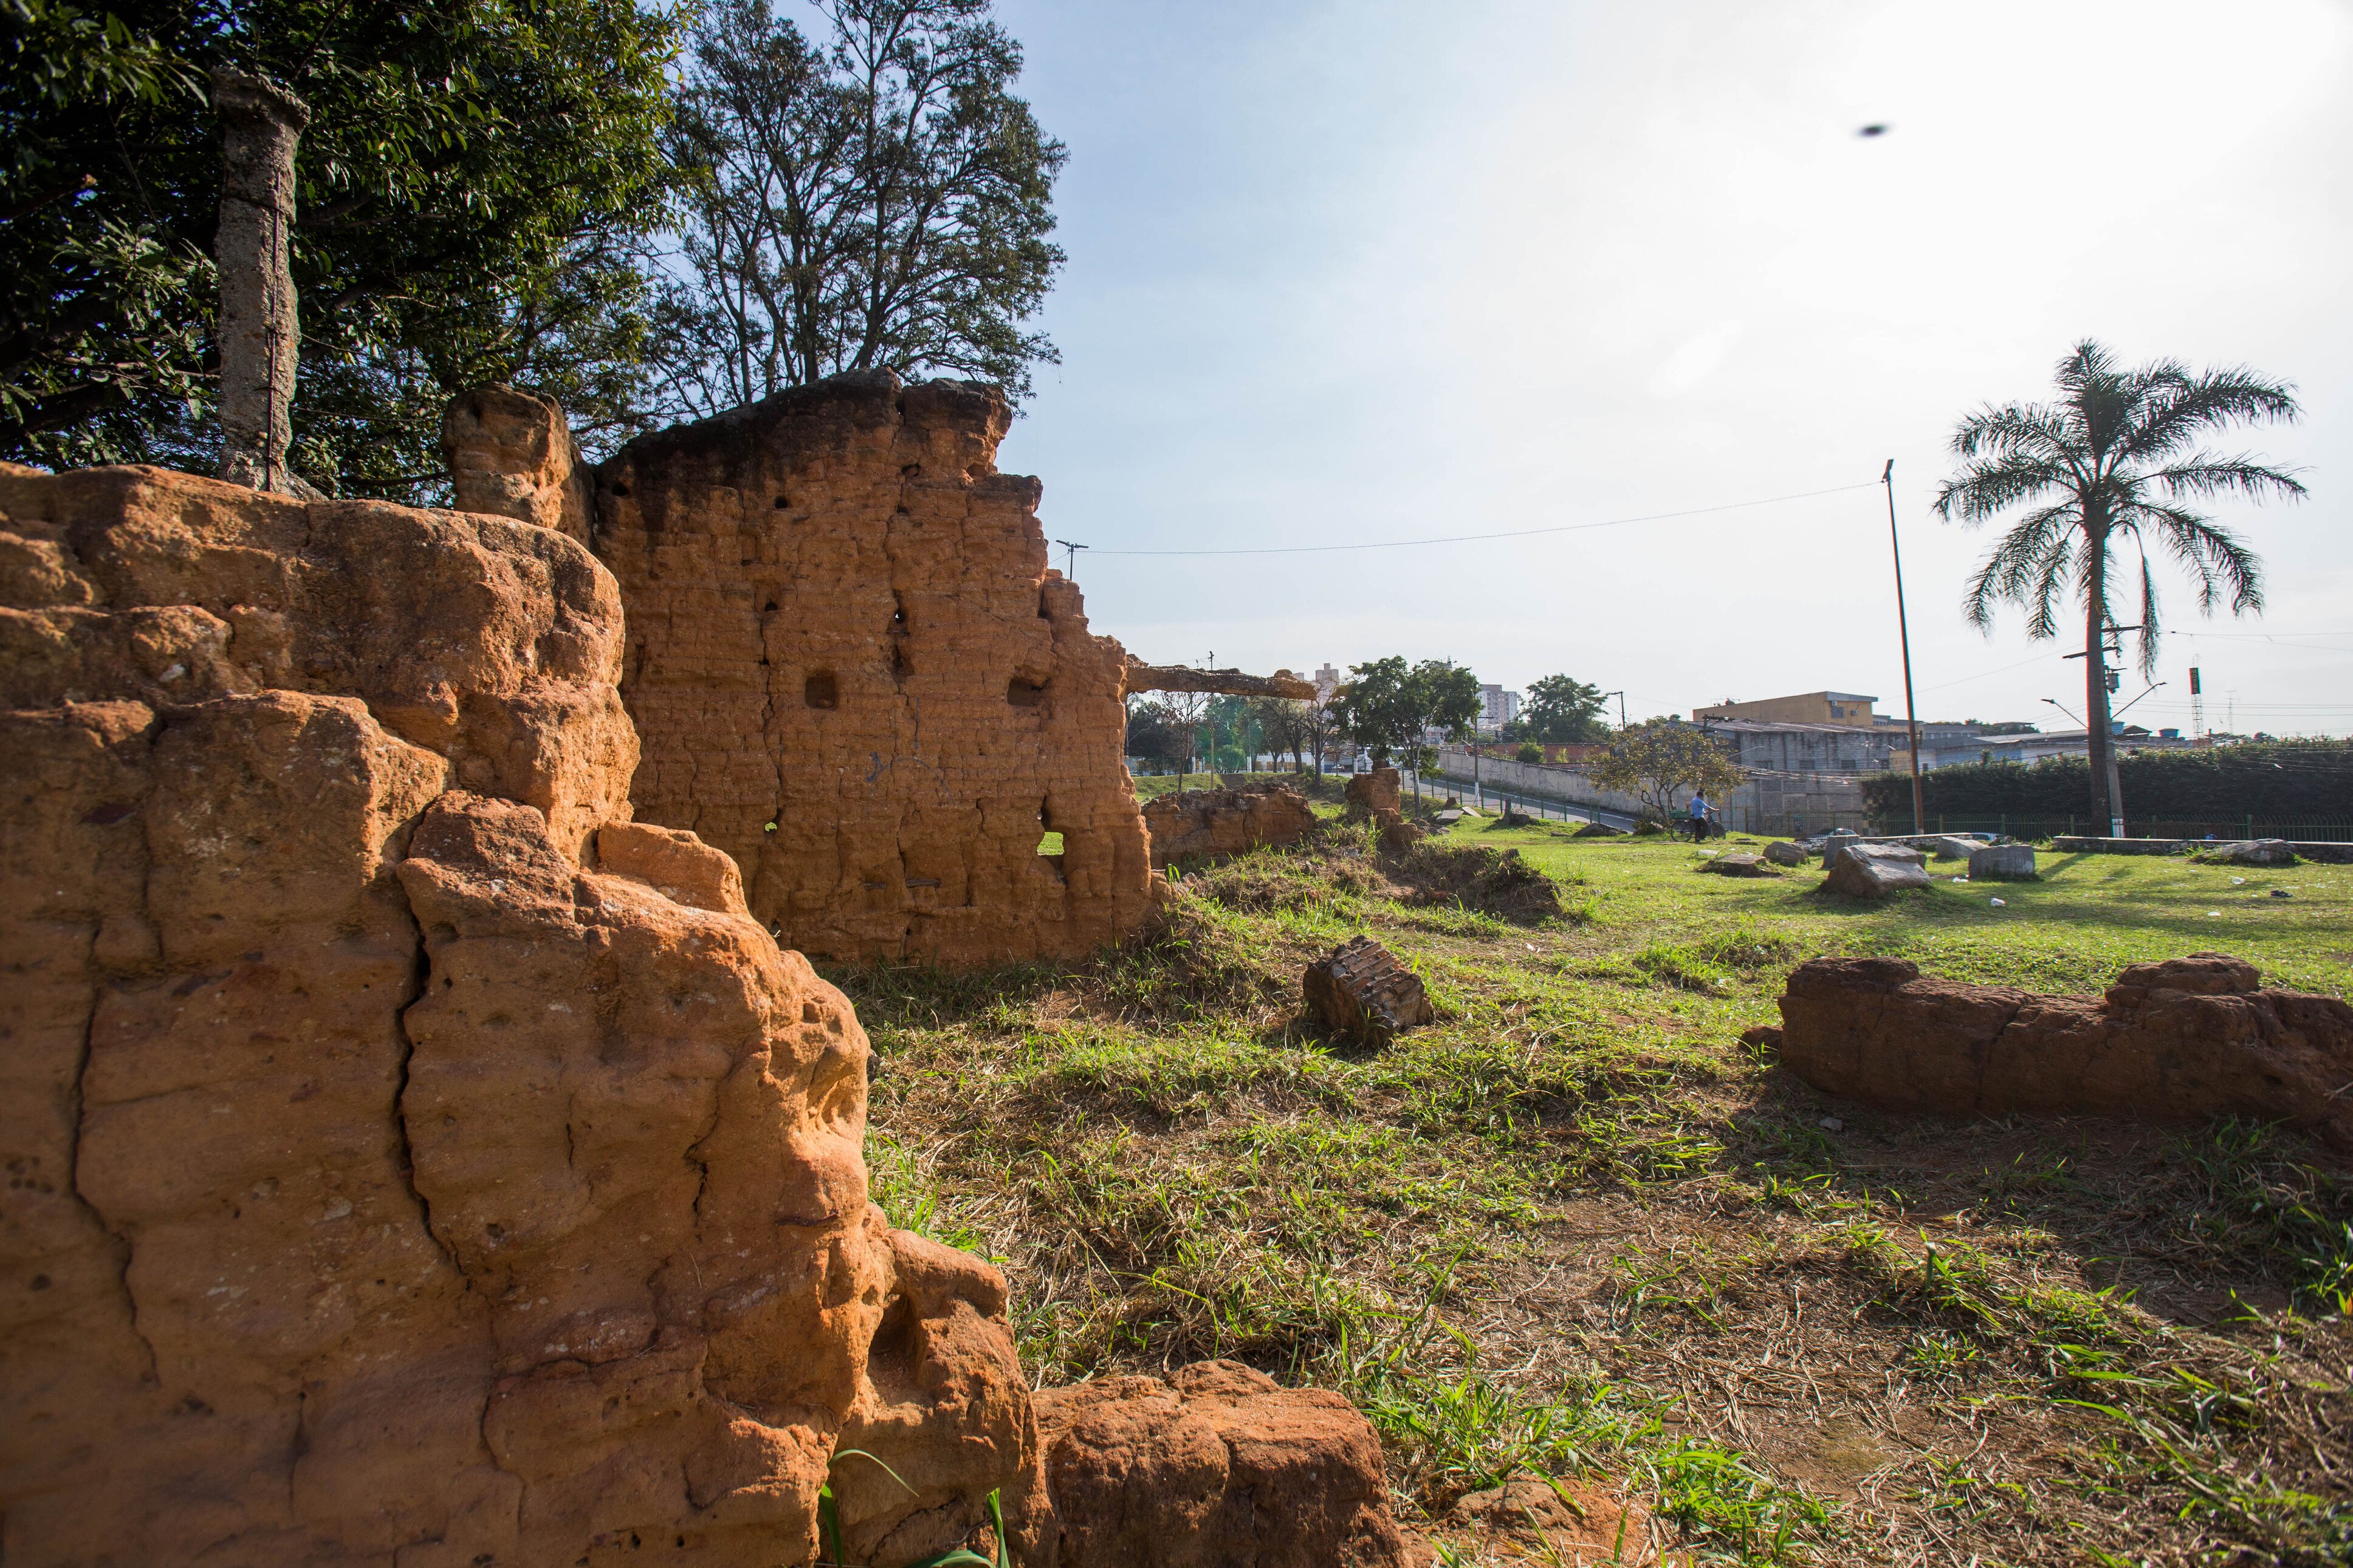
column 2278, row 782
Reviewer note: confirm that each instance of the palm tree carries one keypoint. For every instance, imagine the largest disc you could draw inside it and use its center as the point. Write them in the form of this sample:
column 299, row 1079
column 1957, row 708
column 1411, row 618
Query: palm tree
column 2113, row 462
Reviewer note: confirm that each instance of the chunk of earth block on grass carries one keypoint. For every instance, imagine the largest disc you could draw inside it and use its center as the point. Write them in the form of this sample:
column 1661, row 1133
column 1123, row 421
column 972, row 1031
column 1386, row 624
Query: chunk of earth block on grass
column 1219, row 1465
column 1948, row 848
column 1738, row 866
column 2002, row 863
column 1360, row 990
column 1784, row 853
column 1371, row 794
column 1875, row 870
column 1598, row 830
column 1556, row 1521
column 2183, row 1039
column 1397, row 835
column 2250, row 852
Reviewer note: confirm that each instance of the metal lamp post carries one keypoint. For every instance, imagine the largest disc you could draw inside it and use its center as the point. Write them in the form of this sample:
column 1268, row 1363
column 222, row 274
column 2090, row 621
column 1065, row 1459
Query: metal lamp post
column 1904, row 630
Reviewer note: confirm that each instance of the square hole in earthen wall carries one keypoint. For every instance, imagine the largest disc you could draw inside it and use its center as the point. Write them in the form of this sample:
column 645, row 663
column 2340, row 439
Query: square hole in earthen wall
column 820, row 691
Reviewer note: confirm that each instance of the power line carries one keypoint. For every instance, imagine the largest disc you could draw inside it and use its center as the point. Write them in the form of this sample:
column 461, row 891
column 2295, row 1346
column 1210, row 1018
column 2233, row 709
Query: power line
column 1514, row 533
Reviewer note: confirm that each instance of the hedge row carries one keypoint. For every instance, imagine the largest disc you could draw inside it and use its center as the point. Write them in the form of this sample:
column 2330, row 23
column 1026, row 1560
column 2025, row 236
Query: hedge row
column 2275, row 781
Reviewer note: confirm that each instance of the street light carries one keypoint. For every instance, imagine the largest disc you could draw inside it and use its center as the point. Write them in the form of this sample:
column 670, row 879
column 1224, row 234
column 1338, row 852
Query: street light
column 1904, row 630
column 2067, row 711
column 2121, row 711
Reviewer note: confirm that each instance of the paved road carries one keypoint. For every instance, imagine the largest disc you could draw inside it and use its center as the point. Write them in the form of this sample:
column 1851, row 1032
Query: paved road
column 1534, row 805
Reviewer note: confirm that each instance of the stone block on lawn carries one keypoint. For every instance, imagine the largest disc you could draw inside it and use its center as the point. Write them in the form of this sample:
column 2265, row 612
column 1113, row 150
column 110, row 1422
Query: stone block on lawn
column 1784, row 853
column 1875, row 870
column 2002, row 863
column 1360, row 990
column 2250, row 852
column 1944, row 849
column 1738, row 866
column 1830, row 843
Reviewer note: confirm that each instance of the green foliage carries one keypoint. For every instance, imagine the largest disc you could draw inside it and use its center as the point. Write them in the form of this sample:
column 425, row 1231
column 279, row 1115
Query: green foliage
column 1387, row 705
column 883, row 202
column 1530, row 752
column 1561, row 708
column 2280, row 781
column 2113, row 464
column 1659, row 758
column 1156, row 731
column 470, row 190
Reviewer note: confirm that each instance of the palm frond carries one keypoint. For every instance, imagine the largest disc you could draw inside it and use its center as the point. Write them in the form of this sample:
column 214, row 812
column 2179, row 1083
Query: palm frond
column 2206, row 475
column 1990, row 486
column 2050, row 590
column 2012, row 430
column 2214, row 555
column 2181, row 405
column 2148, row 632
column 2025, row 568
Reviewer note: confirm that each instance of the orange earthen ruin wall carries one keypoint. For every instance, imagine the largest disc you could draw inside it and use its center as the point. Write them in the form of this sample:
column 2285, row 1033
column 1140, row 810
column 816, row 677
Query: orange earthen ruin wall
column 411, row 1160
column 851, row 669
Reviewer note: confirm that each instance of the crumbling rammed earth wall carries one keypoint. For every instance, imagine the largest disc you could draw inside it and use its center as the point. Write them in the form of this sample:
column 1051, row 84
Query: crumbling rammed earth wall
column 411, row 1160
column 852, row 669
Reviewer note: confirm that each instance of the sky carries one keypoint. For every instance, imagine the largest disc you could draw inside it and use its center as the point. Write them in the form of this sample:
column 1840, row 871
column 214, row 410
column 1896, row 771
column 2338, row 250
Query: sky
column 1352, row 273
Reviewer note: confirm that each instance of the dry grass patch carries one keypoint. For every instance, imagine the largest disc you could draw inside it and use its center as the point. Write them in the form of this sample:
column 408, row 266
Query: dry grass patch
column 1576, row 1229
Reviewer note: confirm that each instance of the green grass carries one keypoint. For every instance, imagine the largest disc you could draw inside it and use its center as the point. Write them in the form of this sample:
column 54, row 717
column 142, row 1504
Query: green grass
column 1576, row 1229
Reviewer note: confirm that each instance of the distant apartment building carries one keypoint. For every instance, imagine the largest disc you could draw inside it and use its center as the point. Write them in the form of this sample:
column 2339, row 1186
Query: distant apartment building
column 1791, row 747
column 1497, row 708
column 1806, row 707
column 1327, row 681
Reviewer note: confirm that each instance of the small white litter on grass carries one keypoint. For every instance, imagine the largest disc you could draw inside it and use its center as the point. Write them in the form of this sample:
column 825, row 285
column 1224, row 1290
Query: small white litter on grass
column 2001, row 903
column 2212, row 914
column 1832, row 1124
column 2236, row 880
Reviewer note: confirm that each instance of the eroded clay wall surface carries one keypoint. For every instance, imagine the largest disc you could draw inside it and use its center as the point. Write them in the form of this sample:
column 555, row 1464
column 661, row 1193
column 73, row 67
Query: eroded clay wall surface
column 851, row 669
column 411, row 1160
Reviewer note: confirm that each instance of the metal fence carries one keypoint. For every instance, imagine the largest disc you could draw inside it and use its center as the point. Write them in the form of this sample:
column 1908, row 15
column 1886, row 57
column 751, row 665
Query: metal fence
column 2043, row 827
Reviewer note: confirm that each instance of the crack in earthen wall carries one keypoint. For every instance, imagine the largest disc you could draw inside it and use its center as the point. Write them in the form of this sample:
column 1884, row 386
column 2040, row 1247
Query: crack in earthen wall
column 420, row 978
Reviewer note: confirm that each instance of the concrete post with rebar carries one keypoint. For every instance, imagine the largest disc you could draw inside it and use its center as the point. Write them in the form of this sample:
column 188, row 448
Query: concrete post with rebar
column 260, row 126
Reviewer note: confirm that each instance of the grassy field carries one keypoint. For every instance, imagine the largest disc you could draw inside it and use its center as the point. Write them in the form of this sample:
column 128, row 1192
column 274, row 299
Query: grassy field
column 1576, row 1228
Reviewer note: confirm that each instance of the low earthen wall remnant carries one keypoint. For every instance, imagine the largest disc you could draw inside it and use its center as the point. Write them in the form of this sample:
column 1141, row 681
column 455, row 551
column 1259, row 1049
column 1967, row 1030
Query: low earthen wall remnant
column 2187, row 1038
column 852, row 669
column 1225, row 821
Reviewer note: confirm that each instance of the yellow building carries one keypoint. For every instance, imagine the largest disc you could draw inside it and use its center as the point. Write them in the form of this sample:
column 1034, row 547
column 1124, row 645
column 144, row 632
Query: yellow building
column 1809, row 708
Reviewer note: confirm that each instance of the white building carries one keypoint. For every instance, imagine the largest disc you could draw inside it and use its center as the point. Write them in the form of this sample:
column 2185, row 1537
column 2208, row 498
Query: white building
column 1497, row 708
column 1327, row 681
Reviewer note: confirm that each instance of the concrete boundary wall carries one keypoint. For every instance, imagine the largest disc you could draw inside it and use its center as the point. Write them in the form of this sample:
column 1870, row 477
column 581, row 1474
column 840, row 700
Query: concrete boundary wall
column 1767, row 803
column 2325, row 852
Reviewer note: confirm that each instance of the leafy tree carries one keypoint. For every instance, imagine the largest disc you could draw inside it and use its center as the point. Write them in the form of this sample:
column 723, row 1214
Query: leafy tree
column 1447, row 699
column 1560, row 707
column 1660, row 758
column 1288, row 724
column 1323, row 718
column 1156, row 732
column 883, row 202
column 1378, row 708
column 472, row 184
column 1387, row 705
column 2114, row 462
column 1530, row 752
